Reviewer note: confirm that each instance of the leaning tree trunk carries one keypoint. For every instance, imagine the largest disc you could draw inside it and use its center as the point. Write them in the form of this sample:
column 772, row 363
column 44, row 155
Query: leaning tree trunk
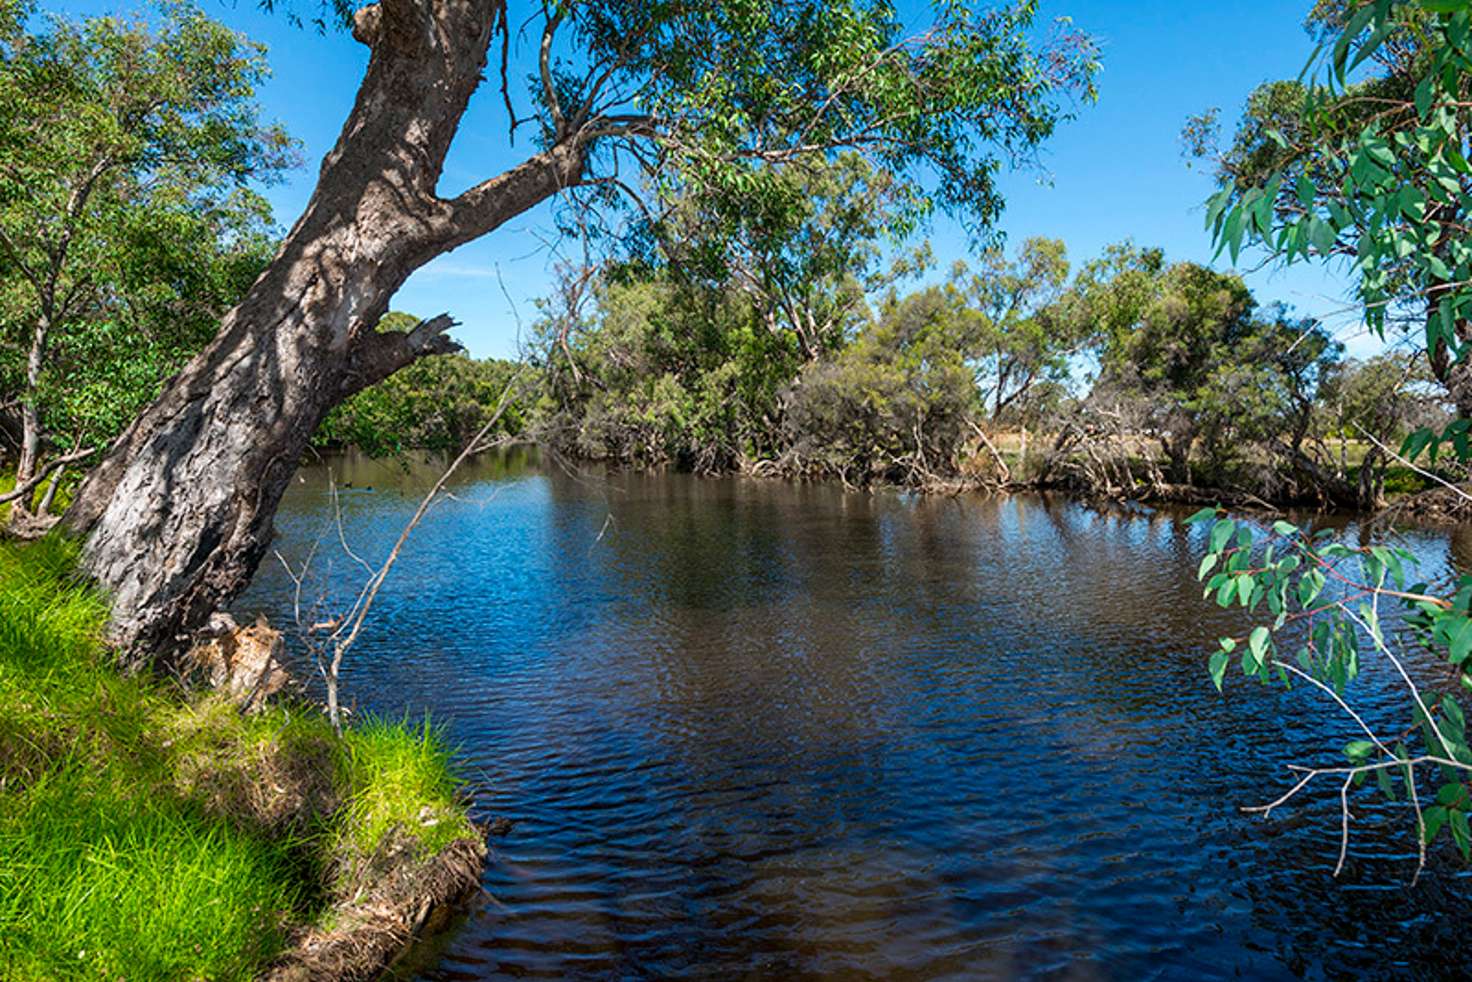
column 179, row 513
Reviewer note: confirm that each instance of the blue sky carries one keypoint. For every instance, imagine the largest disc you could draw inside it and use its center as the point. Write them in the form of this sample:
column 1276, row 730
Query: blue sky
column 1116, row 172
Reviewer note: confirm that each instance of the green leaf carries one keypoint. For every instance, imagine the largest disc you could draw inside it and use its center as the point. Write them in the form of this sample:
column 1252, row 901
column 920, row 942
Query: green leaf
column 1218, row 667
column 1306, row 191
column 1321, row 234
column 1201, row 516
column 1461, row 834
column 1221, row 532
column 1358, row 750
column 1309, row 586
column 1415, row 442
column 1434, row 817
column 1257, row 643
column 1457, row 630
column 1423, row 97
column 1208, row 563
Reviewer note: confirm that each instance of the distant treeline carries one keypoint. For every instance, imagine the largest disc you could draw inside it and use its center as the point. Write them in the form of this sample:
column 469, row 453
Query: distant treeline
column 1133, row 377
column 435, row 404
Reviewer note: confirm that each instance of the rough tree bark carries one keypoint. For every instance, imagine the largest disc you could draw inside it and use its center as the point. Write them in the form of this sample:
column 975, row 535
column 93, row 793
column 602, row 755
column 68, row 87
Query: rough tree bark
column 178, row 514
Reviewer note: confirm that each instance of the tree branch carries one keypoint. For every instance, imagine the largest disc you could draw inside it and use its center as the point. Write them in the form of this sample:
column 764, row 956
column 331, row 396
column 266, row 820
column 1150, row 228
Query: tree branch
column 28, row 487
column 544, row 67
column 378, row 355
column 497, row 200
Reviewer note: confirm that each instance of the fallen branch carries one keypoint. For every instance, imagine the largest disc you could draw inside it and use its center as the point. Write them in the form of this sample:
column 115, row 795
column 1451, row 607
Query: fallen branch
column 346, row 628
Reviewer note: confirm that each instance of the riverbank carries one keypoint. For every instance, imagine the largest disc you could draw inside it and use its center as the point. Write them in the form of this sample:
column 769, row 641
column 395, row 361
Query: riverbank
column 145, row 835
column 1010, row 467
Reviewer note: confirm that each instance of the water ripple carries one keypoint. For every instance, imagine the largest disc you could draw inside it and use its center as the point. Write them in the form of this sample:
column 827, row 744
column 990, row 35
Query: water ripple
column 756, row 731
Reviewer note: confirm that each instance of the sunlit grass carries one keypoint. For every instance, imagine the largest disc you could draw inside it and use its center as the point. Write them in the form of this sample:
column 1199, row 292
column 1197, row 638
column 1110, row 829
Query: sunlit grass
column 147, row 837
column 404, row 781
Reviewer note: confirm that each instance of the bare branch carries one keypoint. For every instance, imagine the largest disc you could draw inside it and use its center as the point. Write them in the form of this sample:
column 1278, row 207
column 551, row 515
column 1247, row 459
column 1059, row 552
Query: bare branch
column 378, row 355
column 544, row 67
column 496, row 200
column 29, row 486
column 346, row 629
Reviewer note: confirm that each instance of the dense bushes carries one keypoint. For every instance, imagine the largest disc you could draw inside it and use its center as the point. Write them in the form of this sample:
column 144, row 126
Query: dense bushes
column 1136, row 376
column 663, row 373
column 894, row 406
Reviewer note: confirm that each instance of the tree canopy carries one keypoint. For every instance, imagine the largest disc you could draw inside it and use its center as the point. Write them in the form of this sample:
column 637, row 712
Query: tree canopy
column 128, row 218
column 1363, row 160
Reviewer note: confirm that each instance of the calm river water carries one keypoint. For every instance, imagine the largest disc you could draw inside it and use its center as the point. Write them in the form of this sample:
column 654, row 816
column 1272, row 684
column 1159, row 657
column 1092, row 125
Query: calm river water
column 756, row 730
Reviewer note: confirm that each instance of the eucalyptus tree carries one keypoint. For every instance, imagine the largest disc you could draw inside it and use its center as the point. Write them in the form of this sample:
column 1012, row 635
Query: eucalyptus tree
column 1160, row 331
column 1218, row 382
column 1023, row 338
column 808, row 248
column 1364, row 163
column 897, row 405
column 719, row 94
column 125, row 217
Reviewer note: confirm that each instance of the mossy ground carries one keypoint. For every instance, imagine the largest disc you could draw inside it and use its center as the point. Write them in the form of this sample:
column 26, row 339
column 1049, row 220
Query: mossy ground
column 148, row 836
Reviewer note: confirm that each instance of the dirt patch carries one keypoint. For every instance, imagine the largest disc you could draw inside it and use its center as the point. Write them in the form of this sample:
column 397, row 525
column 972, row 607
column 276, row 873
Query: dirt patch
column 400, row 898
column 282, row 784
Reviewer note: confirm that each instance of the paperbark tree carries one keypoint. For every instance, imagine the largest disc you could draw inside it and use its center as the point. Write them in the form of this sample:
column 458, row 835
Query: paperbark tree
column 178, row 514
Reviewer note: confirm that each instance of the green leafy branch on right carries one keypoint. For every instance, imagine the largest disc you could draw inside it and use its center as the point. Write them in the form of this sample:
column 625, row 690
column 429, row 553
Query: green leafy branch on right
column 1324, row 599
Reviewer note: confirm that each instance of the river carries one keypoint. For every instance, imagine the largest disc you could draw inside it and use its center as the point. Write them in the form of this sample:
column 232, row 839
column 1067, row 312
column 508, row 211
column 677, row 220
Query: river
column 753, row 730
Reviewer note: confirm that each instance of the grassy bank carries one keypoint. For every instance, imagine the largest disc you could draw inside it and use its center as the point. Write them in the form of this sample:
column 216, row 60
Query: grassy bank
column 147, row 837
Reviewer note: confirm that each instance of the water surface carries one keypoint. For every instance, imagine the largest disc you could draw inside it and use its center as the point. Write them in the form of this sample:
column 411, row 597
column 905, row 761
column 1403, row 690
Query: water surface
column 756, row 730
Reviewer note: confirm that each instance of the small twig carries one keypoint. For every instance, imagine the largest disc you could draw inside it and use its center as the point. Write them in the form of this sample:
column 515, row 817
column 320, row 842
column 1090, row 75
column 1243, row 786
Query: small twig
column 1430, row 476
column 1344, row 824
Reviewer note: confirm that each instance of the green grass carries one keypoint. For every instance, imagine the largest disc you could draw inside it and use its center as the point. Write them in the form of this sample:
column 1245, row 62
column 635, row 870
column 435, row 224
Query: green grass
column 403, row 780
column 147, row 837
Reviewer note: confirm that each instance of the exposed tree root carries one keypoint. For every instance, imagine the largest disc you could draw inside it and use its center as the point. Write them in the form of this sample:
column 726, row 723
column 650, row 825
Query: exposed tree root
column 1437, row 506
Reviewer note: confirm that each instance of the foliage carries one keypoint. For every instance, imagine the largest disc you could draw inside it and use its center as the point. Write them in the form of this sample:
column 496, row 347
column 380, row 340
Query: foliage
column 658, row 367
column 731, row 94
column 660, row 371
column 131, row 841
column 1372, row 168
column 894, row 406
column 1024, row 337
column 1188, row 346
column 1325, row 601
column 1365, row 161
column 1386, row 397
column 127, row 225
column 807, row 270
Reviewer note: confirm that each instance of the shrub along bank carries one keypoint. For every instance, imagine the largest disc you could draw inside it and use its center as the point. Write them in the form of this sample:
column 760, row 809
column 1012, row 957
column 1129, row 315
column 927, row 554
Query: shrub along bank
column 146, row 836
